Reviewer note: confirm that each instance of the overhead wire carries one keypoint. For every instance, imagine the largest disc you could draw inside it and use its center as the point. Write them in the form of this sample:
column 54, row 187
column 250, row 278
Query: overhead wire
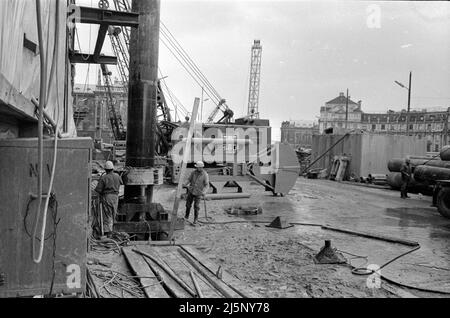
column 210, row 95
column 169, row 36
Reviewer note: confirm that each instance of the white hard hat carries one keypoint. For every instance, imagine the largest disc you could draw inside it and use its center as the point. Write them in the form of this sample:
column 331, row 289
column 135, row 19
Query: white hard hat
column 109, row 165
column 199, row 164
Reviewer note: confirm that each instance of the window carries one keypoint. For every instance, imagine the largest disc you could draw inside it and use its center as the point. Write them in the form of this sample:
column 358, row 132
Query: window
column 374, row 127
column 411, row 126
column 383, row 127
column 429, row 126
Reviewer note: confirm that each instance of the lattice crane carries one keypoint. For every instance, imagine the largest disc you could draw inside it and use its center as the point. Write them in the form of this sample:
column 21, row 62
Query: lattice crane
column 255, row 75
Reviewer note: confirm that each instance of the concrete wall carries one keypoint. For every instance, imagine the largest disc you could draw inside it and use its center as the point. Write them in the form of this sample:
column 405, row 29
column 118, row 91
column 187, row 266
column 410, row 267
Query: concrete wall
column 369, row 153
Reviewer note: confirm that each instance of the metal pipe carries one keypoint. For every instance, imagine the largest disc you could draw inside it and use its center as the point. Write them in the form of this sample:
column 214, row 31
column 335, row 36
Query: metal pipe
column 427, row 173
column 197, row 287
column 142, row 96
column 204, row 273
column 224, row 196
column 168, row 271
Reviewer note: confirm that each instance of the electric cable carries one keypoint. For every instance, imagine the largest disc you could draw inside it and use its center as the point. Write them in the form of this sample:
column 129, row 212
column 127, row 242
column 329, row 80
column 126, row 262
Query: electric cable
column 42, row 97
column 166, row 33
column 40, row 137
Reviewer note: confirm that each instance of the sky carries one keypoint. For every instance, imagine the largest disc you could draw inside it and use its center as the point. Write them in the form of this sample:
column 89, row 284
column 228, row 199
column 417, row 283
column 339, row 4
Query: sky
column 311, row 51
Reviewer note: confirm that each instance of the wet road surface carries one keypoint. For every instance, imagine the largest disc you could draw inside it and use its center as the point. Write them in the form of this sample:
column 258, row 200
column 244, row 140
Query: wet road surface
column 377, row 211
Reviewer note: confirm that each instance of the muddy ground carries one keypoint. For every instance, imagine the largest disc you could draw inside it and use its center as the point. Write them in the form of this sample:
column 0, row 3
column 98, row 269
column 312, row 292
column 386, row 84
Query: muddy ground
column 279, row 262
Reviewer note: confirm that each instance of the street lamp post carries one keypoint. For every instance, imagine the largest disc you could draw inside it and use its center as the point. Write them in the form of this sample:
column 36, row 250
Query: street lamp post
column 409, row 101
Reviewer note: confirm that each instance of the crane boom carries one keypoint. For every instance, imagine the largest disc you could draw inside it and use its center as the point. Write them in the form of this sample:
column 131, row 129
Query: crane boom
column 255, row 74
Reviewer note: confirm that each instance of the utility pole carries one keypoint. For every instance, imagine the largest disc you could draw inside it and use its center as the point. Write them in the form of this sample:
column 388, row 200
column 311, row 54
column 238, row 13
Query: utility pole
column 409, row 104
column 346, row 111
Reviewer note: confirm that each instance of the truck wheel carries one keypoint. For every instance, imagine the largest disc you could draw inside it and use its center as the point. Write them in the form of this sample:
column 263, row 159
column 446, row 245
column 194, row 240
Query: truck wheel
column 443, row 202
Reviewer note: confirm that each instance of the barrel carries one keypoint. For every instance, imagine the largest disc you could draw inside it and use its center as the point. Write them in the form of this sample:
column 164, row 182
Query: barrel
column 445, row 153
column 431, row 174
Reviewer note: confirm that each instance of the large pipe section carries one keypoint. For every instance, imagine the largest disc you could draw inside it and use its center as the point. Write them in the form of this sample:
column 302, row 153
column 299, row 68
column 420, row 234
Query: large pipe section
column 142, row 96
column 431, row 174
column 394, row 165
column 394, row 180
column 445, row 153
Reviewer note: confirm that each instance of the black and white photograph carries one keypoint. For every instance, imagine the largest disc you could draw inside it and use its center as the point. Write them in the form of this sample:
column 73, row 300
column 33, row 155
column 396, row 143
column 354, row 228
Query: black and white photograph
column 224, row 156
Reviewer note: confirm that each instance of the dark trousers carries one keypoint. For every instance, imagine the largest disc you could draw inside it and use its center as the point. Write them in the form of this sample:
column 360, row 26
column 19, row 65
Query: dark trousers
column 404, row 188
column 192, row 198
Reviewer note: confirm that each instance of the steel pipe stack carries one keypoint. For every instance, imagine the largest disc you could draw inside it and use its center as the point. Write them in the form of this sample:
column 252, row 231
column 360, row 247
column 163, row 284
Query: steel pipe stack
column 395, row 164
column 431, row 174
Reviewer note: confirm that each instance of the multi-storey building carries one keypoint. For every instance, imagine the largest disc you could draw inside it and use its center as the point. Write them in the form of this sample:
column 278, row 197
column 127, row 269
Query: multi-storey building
column 428, row 123
column 91, row 109
column 333, row 114
column 431, row 124
column 298, row 133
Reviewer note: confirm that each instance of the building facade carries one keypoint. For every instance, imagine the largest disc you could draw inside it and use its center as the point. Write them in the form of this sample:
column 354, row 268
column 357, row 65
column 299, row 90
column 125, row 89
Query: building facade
column 91, row 109
column 431, row 124
column 333, row 114
column 298, row 133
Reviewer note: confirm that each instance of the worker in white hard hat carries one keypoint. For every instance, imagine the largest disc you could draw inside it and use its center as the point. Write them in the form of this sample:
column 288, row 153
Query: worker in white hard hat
column 108, row 189
column 197, row 186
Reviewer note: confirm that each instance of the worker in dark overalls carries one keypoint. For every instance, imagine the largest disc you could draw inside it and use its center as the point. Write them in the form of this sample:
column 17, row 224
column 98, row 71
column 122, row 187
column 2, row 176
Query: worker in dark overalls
column 197, row 186
column 406, row 178
column 108, row 189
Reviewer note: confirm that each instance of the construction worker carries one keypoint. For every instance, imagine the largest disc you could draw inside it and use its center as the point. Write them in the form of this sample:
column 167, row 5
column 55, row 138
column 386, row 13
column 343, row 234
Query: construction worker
column 108, row 189
column 406, row 178
column 197, row 185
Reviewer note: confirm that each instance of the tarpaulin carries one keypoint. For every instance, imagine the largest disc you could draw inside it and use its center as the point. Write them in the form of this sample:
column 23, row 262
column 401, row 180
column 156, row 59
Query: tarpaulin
column 19, row 63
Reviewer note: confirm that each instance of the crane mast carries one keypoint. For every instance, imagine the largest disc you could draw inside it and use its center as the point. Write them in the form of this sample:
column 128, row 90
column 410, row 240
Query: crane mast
column 255, row 73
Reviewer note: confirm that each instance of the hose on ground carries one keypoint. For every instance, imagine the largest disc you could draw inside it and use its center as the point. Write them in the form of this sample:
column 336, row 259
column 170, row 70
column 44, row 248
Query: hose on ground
column 355, row 270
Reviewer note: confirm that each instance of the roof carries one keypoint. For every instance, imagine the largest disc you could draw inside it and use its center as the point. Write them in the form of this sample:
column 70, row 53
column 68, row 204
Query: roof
column 341, row 100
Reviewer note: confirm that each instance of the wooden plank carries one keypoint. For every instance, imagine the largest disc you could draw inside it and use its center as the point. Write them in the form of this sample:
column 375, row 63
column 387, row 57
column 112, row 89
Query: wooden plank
column 227, row 278
column 18, row 104
column 182, row 268
column 186, row 155
column 204, row 272
column 397, row 291
column 140, row 268
column 178, row 291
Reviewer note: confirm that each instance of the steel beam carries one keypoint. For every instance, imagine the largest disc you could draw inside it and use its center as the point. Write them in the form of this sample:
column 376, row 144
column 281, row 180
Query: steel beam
column 81, row 58
column 110, row 17
column 100, row 40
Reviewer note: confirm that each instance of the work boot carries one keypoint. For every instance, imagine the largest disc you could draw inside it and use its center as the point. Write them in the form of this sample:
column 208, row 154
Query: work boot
column 195, row 221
